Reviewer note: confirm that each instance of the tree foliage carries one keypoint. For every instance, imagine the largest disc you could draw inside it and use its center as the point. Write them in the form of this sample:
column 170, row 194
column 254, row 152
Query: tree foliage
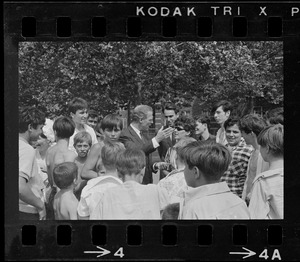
column 110, row 75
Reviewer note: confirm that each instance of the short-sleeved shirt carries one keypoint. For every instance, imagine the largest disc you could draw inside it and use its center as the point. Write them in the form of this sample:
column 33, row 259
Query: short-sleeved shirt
column 131, row 200
column 175, row 185
column 266, row 197
column 92, row 192
column 88, row 129
column 236, row 173
column 212, row 201
column 29, row 170
column 256, row 166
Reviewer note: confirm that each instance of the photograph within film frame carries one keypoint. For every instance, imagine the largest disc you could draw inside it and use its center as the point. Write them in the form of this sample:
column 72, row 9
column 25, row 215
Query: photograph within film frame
column 151, row 26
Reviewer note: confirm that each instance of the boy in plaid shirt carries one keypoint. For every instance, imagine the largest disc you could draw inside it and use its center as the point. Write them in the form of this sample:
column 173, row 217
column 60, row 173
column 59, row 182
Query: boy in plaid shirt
column 236, row 173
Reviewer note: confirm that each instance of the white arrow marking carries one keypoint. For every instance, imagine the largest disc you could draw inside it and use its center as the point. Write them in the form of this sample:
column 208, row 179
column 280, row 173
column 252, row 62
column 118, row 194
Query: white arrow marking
column 249, row 253
column 103, row 252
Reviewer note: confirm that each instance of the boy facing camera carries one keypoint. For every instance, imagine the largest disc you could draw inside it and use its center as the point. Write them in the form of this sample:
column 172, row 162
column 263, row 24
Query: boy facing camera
column 207, row 198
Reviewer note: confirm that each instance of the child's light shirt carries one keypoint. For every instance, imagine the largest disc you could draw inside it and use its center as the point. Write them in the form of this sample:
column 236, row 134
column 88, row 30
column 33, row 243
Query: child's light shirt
column 29, row 170
column 212, row 201
column 131, row 200
column 256, row 166
column 88, row 129
column 175, row 185
column 266, row 199
column 92, row 192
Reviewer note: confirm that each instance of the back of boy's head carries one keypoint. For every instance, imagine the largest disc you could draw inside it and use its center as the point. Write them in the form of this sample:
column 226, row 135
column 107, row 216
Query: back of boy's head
column 272, row 136
column 109, row 153
column 130, row 161
column 170, row 212
column 77, row 103
column 64, row 174
column 275, row 116
column 112, row 121
column 64, row 127
column 82, row 137
column 252, row 123
column 30, row 116
column 211, row 158
column 231, row 121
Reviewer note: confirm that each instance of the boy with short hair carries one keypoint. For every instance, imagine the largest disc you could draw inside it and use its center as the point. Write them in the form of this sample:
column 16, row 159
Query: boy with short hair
column 31, row 203
column 63, row 128
column 82, row 144
column 111, row 127
column 202, row 128
column 92, row 119
column 251, row 125
column 221, row 111
column 78, row 109
column 266, row 197
column 206, row 197
column 132, row 199
column 236, row 174
column 65, row 202
column 91, row 193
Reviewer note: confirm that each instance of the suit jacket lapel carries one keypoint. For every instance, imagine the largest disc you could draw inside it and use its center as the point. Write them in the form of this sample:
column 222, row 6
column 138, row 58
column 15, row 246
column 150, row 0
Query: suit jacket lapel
column 135, row 135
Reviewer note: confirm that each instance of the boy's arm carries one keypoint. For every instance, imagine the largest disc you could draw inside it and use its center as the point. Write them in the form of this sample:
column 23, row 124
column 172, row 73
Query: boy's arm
column 49, row 173
column 91, row 162
column 72, row 210
column 26, row 195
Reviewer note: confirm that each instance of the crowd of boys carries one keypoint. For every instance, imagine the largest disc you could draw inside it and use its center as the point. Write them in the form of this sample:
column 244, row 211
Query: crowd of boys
column 77, row 167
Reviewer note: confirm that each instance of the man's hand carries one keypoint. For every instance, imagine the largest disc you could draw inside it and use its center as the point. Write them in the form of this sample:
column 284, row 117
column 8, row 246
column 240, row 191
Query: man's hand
column 162, row 165
column 163, row 133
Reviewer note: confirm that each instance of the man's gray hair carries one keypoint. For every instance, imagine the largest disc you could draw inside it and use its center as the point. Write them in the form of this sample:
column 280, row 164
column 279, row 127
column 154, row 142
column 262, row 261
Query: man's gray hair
column 140, row 112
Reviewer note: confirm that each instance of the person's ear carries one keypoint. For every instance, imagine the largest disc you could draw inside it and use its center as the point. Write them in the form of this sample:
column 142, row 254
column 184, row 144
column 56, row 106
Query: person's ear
column 72, row 114
column 196, row 172
column 205, row 125
column 29, row 128
column 227, row 113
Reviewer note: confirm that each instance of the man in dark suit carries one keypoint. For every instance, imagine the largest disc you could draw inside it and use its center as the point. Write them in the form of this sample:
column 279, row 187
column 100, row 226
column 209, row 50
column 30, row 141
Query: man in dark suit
column 170, row 112
column 134, row 136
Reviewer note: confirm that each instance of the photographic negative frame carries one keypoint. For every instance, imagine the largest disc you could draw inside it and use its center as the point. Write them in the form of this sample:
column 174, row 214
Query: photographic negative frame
column 152, row 22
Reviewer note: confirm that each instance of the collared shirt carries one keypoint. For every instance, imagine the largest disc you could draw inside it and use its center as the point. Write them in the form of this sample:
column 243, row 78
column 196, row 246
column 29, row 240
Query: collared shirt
column 131, row 200
column 221, row 137
column 175, row 185
column 266, row 200
column 236, row 173
column 256, row 166
column 88, row 129
column 92, row 193
column 154, row 142
column 211, row 137
column 29, row 170
column 212, row 201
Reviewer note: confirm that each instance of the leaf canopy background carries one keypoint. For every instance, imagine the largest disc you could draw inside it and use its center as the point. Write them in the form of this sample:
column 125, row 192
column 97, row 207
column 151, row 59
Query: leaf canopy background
column 114, row 75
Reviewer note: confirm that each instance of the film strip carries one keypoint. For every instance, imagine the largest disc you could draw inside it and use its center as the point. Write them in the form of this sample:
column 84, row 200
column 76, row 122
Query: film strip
column 153, row 21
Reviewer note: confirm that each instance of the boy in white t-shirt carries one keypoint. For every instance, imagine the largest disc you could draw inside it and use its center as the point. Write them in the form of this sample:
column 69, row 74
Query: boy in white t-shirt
column 132, row 199
column 92, row 192
column 31, row 203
